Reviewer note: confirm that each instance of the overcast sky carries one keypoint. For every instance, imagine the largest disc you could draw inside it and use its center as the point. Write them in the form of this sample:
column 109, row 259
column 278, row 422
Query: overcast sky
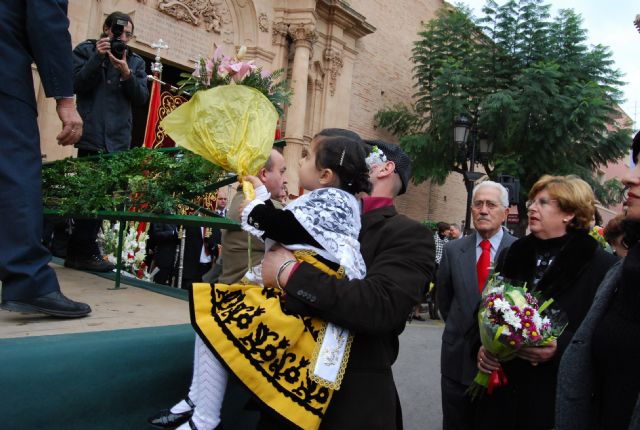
column 608, row 23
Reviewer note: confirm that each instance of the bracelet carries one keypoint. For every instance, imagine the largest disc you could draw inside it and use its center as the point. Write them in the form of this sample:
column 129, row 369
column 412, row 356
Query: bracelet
column 282, row 269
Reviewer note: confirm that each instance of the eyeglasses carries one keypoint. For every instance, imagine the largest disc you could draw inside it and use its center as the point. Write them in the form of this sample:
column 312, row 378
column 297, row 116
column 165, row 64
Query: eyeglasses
column 541, row 202
column 491, row 205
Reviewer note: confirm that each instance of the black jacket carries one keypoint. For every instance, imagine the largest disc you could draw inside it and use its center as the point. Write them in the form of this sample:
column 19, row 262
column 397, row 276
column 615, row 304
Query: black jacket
column 571, row 280
column 104, row 101
column 399, row 254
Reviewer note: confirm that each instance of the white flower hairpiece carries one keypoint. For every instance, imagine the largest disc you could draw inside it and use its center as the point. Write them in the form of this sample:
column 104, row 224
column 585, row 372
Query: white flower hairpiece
column 375, row 157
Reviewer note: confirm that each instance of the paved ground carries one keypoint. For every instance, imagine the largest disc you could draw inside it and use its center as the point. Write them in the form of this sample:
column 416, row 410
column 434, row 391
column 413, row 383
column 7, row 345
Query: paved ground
column 417, row 375
column 417, row 371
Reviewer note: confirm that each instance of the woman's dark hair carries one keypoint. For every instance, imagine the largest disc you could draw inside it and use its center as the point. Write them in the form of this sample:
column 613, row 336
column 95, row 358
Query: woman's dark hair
column 345, row 156
column 442, row 227
column 113, row 16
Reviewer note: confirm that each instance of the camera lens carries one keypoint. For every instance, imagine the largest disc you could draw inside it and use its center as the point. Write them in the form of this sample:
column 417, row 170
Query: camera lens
column 118, row 48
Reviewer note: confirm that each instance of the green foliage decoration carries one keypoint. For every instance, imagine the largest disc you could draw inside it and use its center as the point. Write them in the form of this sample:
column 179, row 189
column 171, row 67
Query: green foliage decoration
column 138, row 180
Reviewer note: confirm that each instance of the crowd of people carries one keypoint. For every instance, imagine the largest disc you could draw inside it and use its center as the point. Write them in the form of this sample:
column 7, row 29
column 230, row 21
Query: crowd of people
column 312, row 328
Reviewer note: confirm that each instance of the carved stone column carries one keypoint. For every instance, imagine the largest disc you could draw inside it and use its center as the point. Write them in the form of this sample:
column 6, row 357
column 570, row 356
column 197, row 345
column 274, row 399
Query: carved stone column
column 334, row 63
column 303, row 36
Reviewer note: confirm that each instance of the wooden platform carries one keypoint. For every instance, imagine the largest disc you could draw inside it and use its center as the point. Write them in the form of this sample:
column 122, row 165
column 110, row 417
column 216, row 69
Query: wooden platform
column 130, row 307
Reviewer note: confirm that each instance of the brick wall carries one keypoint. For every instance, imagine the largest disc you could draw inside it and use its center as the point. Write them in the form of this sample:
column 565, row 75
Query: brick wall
column 382, row 76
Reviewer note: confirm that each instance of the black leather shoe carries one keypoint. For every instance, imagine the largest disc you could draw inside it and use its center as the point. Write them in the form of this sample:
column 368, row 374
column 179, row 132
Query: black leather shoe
column 192, row 426
column 54, row 304
column 94, row 263
column 165, row 419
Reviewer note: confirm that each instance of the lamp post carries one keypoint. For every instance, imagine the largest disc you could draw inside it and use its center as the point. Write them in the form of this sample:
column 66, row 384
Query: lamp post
column 463, row 127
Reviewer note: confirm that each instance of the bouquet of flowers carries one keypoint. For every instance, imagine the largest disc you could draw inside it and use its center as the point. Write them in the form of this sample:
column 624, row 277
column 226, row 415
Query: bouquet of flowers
column 133, row 248
column 232, row 116
column 223, row 70
column 509, row 318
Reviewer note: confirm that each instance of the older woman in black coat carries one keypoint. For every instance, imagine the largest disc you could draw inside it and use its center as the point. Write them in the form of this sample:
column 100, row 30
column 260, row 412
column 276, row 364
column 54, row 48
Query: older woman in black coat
column 599, row 376
column 560, row 261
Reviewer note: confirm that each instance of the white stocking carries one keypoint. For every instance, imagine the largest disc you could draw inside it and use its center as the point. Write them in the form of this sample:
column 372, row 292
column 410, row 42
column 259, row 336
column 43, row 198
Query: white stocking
column 182, row 405
column 212, row 384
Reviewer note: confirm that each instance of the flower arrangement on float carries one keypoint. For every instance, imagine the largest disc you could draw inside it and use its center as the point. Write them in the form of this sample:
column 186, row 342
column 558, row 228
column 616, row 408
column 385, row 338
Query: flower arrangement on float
column 511, row 317
column 133, row 247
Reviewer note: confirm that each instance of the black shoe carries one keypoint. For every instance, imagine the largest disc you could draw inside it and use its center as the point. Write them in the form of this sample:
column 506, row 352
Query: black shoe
column 419, row 317
column 165, row 419
column 94, row 263
column 192, row 426
column 54, row 304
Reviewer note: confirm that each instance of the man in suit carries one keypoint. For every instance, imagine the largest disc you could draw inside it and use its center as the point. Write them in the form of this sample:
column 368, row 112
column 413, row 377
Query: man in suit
column 399, row 254
column 461, row 277
column 162, row 246
column 200, row 252
column 32, row 30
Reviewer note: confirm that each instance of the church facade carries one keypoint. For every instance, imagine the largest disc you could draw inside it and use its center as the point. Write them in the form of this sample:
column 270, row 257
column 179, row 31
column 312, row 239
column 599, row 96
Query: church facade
column 345, row 60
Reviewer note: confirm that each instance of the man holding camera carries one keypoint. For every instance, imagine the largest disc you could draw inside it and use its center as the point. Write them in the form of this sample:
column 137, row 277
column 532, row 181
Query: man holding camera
column 108, row 79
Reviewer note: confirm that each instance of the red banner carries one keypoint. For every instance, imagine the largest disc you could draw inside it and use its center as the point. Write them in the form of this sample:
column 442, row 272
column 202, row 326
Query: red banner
column 152, row 115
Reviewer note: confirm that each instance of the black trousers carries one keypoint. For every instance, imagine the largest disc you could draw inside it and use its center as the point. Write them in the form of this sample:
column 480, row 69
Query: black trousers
column 24, row 260
column 458, row 412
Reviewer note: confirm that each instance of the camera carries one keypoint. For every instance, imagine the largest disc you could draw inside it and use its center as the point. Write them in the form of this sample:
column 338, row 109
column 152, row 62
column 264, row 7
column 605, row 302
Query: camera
column 118, row 47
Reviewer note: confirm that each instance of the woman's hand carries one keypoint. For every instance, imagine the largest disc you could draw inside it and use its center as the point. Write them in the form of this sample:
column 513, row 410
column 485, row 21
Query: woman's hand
column 538, row 354
column 487, row 362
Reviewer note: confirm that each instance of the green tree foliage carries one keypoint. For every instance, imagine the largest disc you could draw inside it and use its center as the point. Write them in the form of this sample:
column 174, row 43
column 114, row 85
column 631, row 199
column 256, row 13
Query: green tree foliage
column 530, row 84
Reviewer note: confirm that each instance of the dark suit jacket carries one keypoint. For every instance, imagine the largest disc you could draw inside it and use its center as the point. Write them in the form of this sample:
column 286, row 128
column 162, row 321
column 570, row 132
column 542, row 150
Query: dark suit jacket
column 399, row 254
column 458, row 297
column 34, row 30
column 193, row 249
column 163, row 242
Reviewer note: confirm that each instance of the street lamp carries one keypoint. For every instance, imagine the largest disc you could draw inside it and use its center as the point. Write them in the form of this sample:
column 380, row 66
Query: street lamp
column 463, row 127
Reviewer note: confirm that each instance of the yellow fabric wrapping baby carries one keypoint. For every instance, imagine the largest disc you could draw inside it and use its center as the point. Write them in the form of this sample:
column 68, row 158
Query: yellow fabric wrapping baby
column 232, row 126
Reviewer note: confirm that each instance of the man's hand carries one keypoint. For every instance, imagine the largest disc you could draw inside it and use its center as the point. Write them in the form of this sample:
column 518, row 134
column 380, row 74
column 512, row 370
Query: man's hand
column 71, row 122
column 538, row 354
column 103, row 46
column 272, row 262
column 121, row 65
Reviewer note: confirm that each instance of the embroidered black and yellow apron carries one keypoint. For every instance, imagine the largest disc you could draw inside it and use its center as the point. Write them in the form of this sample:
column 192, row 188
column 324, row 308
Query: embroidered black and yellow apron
column 271, row 352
